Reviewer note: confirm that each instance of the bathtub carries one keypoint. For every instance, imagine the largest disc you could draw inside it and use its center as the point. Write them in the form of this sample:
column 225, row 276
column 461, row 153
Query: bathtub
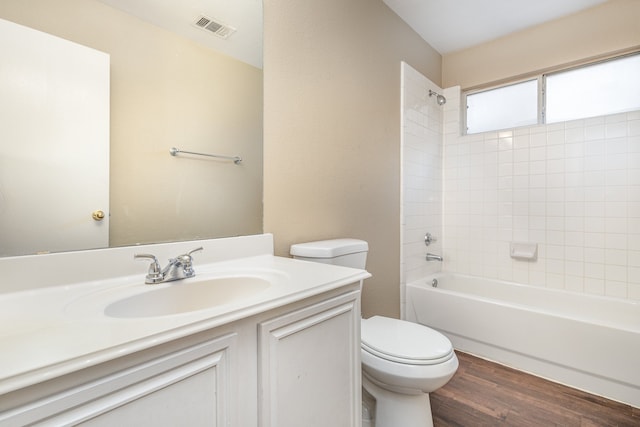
column 587, row 342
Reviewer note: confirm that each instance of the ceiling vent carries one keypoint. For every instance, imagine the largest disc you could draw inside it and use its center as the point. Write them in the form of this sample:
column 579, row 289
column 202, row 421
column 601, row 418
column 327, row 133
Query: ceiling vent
column 216, row 27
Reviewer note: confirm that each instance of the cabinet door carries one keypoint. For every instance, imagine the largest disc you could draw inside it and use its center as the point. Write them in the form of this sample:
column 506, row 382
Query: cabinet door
column 190, row 387
column 309, row 372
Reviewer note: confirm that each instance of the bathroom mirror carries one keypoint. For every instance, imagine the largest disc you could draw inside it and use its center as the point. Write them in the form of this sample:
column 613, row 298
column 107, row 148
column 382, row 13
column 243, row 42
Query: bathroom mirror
column 172, row 84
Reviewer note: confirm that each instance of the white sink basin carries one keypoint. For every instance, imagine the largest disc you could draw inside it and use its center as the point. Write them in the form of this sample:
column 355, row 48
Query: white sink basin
column 186, row 296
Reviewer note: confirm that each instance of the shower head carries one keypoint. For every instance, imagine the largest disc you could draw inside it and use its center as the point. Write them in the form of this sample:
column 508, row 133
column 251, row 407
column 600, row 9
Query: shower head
column 441, row 100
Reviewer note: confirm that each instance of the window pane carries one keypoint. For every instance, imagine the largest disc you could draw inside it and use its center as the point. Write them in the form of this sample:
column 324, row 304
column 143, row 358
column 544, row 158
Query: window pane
column 595, row 90
column 504, row 107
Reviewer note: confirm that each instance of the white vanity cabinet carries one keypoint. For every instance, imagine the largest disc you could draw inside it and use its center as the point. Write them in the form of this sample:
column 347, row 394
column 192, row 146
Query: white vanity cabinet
column 295, row 365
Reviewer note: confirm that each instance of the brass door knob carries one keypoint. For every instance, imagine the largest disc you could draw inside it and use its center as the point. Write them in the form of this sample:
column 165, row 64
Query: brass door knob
column 98, row 215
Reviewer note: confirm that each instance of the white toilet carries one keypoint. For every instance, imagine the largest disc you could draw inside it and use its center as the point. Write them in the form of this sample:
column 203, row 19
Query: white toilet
column 402, row 362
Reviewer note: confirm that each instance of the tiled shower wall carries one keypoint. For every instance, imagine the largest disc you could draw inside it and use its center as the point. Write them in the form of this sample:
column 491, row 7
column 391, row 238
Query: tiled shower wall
column 421, row 205
column 573, row 188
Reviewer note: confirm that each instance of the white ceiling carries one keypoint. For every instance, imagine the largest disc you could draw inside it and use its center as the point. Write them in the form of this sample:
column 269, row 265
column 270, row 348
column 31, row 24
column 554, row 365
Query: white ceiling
column 447, row 25
column 178, row 16
column 451, row 25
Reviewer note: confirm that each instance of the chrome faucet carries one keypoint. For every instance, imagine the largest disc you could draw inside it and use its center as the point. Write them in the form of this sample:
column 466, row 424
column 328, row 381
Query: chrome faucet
column 433, row 257
column 180, row 267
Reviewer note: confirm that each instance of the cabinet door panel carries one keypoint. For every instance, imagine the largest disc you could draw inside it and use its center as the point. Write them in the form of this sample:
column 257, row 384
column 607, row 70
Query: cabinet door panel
column 188, row 402
column 192, row 386
column 310, row 366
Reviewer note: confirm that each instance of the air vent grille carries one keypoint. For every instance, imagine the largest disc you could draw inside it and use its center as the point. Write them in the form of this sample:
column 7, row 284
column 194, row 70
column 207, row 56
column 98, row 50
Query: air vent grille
column 216, row 27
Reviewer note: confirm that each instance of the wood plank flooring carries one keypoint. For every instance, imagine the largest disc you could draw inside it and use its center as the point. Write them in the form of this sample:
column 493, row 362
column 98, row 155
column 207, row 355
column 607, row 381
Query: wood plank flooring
column 483, row 393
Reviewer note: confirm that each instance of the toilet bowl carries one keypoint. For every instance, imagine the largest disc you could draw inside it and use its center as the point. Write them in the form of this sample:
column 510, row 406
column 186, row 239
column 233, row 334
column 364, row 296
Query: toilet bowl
column 402, row 362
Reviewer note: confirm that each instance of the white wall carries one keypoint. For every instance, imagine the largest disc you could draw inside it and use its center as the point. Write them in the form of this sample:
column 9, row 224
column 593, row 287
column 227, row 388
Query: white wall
column 421, row 204
column 597, row 32
column 574, row 188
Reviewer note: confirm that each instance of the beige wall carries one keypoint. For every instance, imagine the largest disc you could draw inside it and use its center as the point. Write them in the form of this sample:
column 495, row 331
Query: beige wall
column 610, row 27
column 332, row 129
column 167, row 91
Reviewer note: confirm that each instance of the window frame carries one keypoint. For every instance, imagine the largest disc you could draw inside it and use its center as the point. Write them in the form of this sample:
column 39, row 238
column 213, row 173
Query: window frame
column 490, row 88
column 542, row 89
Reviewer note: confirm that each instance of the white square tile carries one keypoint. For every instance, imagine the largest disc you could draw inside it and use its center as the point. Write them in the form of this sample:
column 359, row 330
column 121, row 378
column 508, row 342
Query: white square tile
column 555, row 151
column 615, row 177
column 633, row 292
column 594, row 208
column 594, row 132
column 537, row 153
column 555, row 180
column 615, row 289
column 574, row 150
column 555, row 166
column 633, row 127
column 594, row 148
column 633, row 275
column 594, row 178
column 595, row 224
column 594, row 286
column 593, row 255
column 594, row 163
column 616, row 161
column 616, row 241
column 555, row 137
column 616, row 130
column 574, row 283
column 616, row 194
column 574, row 134
column 537, row 181
column 633, row 225
column 617, row 257
column 574, row 165
column 594, row 240
column 555, row 281
column 538, row 139
column 593, row 270
column 616, row 273
column 616, row 146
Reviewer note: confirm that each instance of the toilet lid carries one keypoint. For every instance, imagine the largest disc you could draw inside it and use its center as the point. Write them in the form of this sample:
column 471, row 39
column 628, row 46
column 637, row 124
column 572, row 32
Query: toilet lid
column 404, row 342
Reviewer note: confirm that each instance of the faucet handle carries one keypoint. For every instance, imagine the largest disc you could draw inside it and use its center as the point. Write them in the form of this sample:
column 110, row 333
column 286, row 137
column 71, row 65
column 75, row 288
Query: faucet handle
column 154, row 275
column 429, row 239
column 187, row 261
column 195, row 250
column 186, row 258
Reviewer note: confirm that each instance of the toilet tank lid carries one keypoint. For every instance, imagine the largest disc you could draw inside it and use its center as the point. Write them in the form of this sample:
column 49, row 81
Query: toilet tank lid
column 329, row 248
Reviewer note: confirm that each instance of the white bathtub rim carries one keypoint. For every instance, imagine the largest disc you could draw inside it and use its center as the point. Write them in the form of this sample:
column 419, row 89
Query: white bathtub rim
column 426, row 283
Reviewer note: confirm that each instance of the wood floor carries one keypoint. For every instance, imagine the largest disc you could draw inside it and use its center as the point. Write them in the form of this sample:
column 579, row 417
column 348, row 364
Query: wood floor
column 487, row 394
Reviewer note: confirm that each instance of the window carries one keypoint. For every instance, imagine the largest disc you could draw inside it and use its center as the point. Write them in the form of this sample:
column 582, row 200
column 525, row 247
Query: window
column 504, row 107
column 607, row 87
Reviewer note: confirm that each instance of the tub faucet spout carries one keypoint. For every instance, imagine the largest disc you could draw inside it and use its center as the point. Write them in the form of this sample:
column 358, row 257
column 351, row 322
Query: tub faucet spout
column 433, row 257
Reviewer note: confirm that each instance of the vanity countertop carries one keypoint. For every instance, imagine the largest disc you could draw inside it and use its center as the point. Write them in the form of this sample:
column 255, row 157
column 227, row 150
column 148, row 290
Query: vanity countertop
column 50, row 331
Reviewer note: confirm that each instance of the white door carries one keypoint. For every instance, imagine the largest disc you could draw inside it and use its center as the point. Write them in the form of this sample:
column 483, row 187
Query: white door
column 54, row 143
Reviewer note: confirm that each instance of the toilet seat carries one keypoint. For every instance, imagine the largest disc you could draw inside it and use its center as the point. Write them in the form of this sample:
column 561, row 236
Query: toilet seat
column 404, row 342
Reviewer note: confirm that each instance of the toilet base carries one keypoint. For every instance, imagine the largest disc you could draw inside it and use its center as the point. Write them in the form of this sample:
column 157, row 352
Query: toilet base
column 397, row 409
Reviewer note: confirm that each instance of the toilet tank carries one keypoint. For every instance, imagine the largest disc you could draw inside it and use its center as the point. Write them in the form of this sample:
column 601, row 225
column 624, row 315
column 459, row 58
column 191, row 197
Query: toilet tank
column 345, row 252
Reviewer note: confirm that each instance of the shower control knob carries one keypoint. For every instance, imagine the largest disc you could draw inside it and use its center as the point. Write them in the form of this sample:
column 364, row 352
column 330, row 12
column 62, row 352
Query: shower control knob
column 429, row 239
